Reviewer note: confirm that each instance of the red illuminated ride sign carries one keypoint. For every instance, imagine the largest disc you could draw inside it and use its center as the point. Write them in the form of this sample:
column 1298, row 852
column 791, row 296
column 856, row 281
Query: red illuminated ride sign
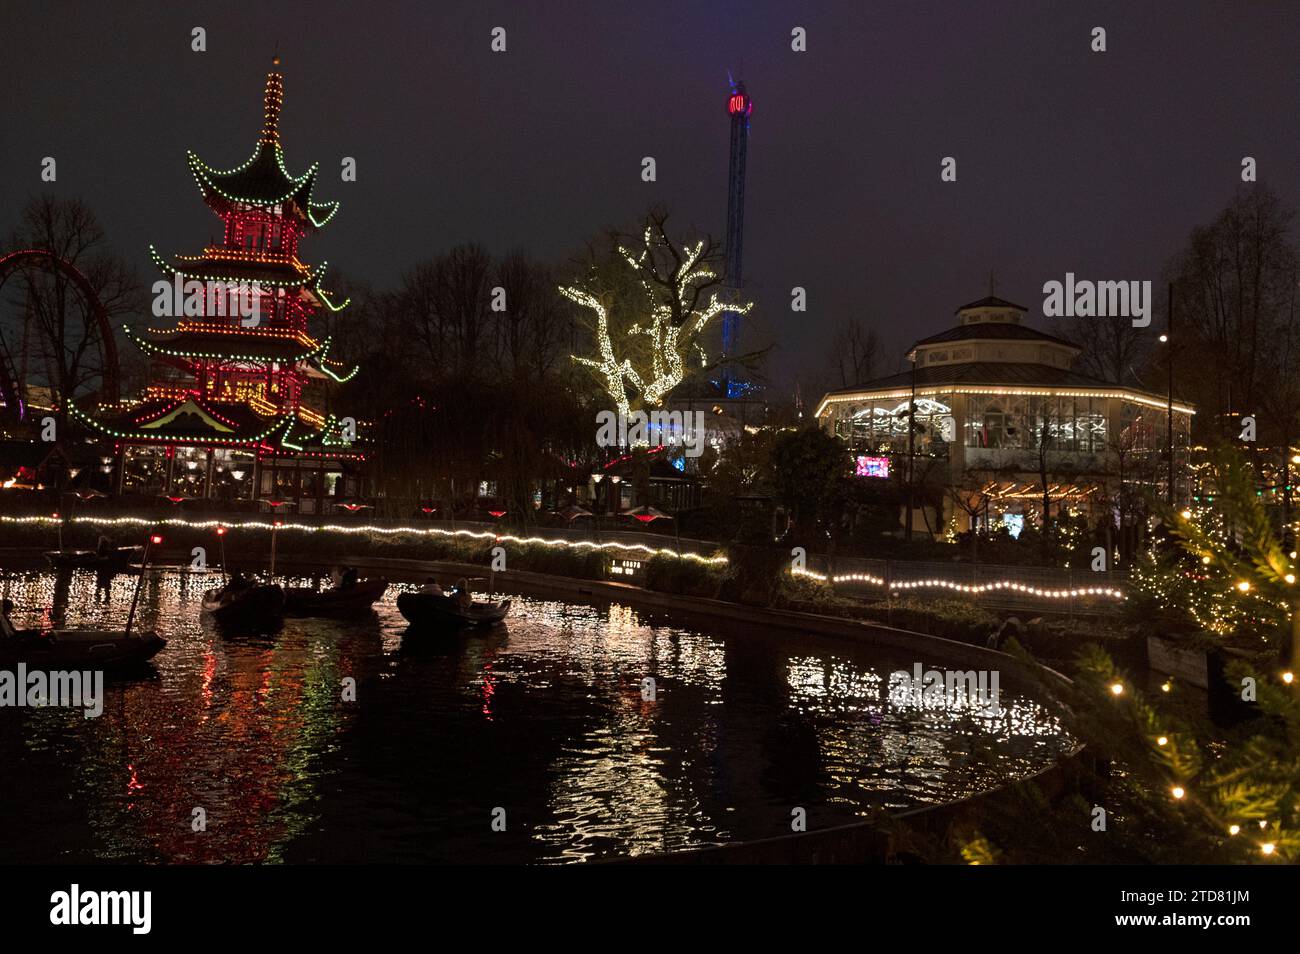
column 740, row 103
column 872, row 467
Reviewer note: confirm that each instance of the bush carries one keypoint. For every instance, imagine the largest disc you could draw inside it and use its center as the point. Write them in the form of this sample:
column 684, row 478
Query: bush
column 668, row 574
column 951, row 619
column 755, row 573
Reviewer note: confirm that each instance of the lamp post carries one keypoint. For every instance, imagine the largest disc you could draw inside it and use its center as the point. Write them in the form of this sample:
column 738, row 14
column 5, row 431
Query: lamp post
column 911, row 448
column 221, row 539
column 1168, row 339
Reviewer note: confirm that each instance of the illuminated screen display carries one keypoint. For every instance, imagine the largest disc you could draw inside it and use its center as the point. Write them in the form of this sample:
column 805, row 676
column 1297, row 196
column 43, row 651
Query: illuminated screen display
column 873, row 467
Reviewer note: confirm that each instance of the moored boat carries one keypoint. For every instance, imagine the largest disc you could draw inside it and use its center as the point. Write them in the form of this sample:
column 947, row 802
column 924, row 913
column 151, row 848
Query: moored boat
column 339, row 601
column 252, row 605
column 73, row 648
column 430, row 610
column 117, row 557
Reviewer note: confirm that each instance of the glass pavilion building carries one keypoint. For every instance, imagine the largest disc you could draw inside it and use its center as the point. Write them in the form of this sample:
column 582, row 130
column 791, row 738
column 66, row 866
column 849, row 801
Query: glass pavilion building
column 1000, row 415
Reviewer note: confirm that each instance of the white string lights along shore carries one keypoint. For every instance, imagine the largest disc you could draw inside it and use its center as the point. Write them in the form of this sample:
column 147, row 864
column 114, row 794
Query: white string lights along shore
column 968, row 588
column 974, row 589
column 366, row 528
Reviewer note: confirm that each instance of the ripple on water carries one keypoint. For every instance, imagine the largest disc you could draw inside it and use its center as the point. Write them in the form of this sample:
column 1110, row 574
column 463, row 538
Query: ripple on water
column 545, row 720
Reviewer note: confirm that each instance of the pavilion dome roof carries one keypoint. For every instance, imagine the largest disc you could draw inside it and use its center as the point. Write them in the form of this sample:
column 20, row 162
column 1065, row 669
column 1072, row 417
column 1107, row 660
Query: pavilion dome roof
column 994, row 331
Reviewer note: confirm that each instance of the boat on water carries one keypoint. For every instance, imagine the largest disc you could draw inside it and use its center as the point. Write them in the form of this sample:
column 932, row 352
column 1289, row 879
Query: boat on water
column 247, row 604
column 78, row 648
column 431, row 610
column 337, row 601
column 114, row 558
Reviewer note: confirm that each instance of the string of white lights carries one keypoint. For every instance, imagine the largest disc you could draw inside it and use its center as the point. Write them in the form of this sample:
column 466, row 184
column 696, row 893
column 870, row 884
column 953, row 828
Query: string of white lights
column 366, row 528
column 973, row 588
column 608, row 545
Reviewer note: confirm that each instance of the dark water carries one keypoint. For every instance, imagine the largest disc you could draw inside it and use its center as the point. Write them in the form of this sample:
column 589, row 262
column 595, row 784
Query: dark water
column 545, row 720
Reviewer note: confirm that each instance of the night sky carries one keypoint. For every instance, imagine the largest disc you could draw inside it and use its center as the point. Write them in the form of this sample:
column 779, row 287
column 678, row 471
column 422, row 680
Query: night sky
column 1068, row 160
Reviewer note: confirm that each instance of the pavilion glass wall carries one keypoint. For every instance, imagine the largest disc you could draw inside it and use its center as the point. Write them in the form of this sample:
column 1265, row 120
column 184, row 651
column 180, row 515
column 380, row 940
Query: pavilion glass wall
column 879, row 427
column 1025, row 421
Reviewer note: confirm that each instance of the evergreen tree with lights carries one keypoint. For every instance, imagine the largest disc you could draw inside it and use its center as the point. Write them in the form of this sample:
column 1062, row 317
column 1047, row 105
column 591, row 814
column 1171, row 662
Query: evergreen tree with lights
column 1226, row 573
column 1181, row 788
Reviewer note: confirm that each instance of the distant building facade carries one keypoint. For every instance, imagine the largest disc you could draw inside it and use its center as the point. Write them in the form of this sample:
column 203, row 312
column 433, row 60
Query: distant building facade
column 1001, row 414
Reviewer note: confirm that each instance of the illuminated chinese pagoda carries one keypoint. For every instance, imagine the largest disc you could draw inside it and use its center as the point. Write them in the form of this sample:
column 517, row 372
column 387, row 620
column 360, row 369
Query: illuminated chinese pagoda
column 236, row 407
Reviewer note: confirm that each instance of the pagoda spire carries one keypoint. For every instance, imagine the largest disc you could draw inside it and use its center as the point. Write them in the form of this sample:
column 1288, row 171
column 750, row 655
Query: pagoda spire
column 272, row 100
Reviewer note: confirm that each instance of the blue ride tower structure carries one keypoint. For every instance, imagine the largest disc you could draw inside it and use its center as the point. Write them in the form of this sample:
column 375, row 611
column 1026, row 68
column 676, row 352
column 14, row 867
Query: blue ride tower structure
column 739, row 108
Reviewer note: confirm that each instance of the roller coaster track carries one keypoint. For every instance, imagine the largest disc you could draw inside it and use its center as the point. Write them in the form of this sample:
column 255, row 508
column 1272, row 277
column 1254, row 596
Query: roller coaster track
column 11, row 389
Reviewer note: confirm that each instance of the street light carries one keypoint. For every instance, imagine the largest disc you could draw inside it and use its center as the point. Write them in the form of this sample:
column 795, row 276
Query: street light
column 911, row 447
column 1169, row 409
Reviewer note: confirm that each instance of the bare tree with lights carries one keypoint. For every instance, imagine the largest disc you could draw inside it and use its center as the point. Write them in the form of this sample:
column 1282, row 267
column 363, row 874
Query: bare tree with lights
column 651, row 299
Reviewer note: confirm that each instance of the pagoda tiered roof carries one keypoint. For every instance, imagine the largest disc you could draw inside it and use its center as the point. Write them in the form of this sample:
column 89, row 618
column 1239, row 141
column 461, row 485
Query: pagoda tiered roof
column 262, row 181
column 209, row 341
column 243, row 380
column 190, row 419
column 220, row 265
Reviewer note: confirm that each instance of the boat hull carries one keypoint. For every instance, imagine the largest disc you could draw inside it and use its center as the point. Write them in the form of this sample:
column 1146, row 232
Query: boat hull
column 68, row 649
column 119, row 558
column 427, row 610
column 257, row 605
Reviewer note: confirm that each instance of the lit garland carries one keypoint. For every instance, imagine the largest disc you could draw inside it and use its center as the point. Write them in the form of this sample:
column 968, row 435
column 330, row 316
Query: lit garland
column 561, row 543
column 1236, row 577
column 303, row 277
column 259, row 257
column 321, row 359
column 387, row 531
column 290, row 334
column 217, row 352
column 1135, row 397
column 76, row 412
column 323, row 295
column 975, row 589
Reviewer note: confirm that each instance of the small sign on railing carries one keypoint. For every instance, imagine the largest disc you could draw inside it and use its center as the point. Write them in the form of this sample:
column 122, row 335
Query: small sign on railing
column 625, row 569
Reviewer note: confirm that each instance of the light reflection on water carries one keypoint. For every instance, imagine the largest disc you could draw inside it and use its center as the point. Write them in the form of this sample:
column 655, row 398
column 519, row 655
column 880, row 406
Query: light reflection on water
column 546, row 720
